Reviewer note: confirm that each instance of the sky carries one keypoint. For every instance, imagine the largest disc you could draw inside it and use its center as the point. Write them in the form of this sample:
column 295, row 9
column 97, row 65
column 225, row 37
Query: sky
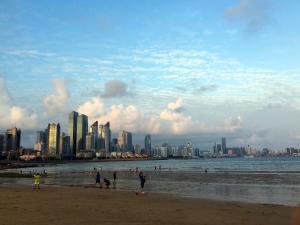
column 179, row 70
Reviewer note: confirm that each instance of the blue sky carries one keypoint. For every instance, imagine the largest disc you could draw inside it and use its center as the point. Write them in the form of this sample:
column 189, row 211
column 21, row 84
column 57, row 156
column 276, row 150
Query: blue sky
column 176, row 69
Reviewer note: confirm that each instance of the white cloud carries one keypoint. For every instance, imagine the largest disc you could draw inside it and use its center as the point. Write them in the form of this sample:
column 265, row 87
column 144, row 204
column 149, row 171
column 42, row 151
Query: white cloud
column 12, row 115
column 57, row 103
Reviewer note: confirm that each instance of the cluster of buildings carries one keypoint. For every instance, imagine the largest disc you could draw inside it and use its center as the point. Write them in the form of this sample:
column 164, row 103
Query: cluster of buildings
column 86, row 142
column 83, row 141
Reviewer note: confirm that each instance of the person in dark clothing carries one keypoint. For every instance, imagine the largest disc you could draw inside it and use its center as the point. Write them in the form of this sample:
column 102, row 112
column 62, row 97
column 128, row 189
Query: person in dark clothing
column 115, row 178
column 98, row 179
column 142, row 180
column 107, row 183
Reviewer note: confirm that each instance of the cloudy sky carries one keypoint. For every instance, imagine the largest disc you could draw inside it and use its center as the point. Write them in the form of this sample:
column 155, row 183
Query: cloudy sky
column 179, row 70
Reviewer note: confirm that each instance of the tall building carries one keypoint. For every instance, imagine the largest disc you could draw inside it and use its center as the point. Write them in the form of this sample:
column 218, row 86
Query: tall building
column 40, row 141
column 65, row 148
column 224, row 149
column 125, row 141
column 72, row 131
column 105, row 136
column 12, row 141
column 89, row 141
column 53, row 139
column 94, row 130
column 82, row 130
column 1, row 144
column 148, row 144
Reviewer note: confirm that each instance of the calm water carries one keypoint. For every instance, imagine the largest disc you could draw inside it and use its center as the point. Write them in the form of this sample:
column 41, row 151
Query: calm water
column 258, row 180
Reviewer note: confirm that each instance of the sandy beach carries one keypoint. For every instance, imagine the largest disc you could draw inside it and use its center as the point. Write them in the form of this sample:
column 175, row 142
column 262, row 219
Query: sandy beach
column 78, row 205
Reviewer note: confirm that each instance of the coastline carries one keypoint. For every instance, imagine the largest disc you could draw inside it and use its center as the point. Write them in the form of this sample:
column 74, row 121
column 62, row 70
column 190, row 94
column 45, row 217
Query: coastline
column 89, row 205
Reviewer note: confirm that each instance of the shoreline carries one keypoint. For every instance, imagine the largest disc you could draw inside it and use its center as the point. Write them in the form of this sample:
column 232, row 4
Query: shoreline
column 78, row 205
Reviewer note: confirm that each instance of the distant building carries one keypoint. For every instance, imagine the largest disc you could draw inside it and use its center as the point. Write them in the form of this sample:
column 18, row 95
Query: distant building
column 72, row 131
column 53, row 139
column 137, row 149
column 40, row 141
column 148, row 144
column 95, row 133
column 1, row 144
column 125, row 141
column 114, row 145
column 82, row 130
column 105, row 137
column 12, row 142
column 219, row 148
column 224, row 149
column 65, row 148
column 89, row 141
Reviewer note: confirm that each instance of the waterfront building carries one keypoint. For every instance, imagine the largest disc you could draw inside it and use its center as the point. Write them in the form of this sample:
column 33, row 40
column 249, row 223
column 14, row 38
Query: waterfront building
column 89, row 141
column 40, row 141
column 72, row 131
column 82, row 130
column 148, row 144
column 12, row 142
column 125, row 141
column 65, row 148
column 53, row 139
column 1, row 144
column 95, row 133
column 224, row 149
column 105, row 137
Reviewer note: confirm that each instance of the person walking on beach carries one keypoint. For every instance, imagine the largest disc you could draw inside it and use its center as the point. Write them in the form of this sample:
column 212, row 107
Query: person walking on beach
column 37, row 180
column 142, row 180
column 115, row 178
column 98, row 179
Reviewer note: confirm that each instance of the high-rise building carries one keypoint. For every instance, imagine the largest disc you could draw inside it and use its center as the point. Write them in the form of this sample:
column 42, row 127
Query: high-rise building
column 82, row 130
column 72, row 131
column 53, row 139
column 94, row 130
column 1, row 144
column 148, row 144
column 40, row 141
column 105, row 136
column 12, row 141
column 224, row 149
column 89, row 141
column 125, row 141
column 65, row 148
column 137, row 149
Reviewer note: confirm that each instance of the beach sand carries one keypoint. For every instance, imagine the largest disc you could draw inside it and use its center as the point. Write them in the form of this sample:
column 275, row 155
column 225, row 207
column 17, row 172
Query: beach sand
column 79, row 205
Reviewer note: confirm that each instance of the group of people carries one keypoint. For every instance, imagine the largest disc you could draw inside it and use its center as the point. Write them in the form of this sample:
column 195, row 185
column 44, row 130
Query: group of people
column 106, row 180
column 142, row 178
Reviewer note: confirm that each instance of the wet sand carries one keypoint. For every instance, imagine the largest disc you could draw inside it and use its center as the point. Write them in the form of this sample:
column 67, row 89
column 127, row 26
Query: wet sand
column 78, row 205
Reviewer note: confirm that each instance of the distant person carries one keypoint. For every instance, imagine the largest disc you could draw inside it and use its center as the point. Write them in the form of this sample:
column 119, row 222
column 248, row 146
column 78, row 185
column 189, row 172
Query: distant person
column 142, row 180
column 98, row 179
column 136, row 170
column 37, row 180
column 205, row 171
column 115, row 178
column 107, row 183
column 155, row 168
column 159, row 167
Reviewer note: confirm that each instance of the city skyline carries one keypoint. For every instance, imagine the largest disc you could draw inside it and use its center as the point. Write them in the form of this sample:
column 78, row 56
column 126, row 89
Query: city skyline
column 180, row 72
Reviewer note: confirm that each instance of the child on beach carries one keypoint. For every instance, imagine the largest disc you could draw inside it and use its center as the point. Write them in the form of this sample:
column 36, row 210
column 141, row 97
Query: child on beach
column 37, row 180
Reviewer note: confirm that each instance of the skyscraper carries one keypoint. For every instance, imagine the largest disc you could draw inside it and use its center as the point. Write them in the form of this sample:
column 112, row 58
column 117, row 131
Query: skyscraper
column 12, row 141
column 94, row 130
column 1, row 144
column 65, row 149
column 82, row 130
column 40, row 141
column 89, row 141
column 224, row 150
column 125, row 141
column 148, row 144
column 53, row 139
column 105, row 135
column 72, row 131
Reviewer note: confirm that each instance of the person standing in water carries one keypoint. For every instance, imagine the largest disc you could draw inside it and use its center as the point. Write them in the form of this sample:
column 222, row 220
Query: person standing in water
column 98, row 179
column 142, row 180
column 115, row 178
column 37, row 180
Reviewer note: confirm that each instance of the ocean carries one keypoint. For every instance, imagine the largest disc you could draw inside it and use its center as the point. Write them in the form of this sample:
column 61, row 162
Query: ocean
column 272, row 180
